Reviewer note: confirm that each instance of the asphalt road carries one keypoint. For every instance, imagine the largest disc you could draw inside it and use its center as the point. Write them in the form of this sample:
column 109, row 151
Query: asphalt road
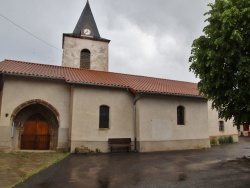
column 215, row 167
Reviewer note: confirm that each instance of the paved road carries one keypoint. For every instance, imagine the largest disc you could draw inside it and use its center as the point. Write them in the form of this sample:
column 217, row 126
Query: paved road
column 215, row 167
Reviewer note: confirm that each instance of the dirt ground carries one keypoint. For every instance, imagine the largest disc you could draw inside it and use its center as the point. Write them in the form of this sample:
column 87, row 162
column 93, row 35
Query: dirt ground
column 15, row 167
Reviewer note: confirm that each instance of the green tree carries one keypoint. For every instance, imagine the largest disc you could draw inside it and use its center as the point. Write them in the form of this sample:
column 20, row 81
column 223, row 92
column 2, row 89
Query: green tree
column 221, row 59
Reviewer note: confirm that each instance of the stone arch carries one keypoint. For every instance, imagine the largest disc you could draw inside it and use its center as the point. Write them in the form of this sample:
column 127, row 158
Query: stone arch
column 35, row 101
column 37, row 106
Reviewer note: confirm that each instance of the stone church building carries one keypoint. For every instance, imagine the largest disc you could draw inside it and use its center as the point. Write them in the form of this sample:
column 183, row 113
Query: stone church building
column 81, row 103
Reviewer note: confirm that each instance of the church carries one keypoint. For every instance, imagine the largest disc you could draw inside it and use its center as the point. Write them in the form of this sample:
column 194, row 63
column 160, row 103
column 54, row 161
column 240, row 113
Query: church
column 81, row 103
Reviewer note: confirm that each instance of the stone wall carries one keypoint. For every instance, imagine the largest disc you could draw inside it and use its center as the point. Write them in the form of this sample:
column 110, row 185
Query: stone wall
column 72, row 49
column 18, row 91
column 85, row 120
column 157, row 123
column 213, row 123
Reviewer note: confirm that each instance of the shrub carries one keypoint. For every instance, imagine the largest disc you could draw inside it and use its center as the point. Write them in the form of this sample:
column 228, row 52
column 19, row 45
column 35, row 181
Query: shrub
column 97, row 150
column 230, row 139
column 225, row 139
column 221, row 140
column 213, row 142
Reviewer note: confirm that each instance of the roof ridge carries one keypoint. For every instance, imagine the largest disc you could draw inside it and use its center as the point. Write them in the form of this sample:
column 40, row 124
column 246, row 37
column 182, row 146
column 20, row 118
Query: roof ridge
column 27, row 62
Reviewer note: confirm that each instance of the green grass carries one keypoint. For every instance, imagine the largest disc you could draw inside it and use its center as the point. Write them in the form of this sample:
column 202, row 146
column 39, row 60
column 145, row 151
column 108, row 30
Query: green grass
column 45, row 165
column 16, row 167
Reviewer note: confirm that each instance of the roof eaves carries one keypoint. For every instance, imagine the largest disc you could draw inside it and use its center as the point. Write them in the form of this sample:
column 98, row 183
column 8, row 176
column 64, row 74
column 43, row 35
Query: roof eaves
column 170, row 94
column 98, row 84
column 84, row 37
column 32, row 75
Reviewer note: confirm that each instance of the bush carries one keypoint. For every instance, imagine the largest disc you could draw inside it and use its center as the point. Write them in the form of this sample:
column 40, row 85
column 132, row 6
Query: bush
column 230, row 139
column 222, row 140
column 213, row 142
column 97, row 150
column 225, row 139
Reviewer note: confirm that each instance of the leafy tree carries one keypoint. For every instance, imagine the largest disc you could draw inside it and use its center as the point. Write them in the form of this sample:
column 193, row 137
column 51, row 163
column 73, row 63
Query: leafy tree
column 221, row 59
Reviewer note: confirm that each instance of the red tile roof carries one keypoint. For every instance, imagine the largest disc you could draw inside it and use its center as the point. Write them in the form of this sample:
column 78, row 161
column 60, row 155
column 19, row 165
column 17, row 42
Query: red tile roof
column 83, row 76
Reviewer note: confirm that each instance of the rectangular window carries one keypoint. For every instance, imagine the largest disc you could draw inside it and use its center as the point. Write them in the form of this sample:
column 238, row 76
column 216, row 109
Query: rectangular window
column 221, row 125
column 180, row 115
column 104, row 117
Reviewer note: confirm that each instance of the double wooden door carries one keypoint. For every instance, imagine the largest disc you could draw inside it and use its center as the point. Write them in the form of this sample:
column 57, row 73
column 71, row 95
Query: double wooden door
column 35, row 134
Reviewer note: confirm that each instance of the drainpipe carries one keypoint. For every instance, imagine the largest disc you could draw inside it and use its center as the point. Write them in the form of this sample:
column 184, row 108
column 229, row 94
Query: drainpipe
column 12, row 133
column 135, row 101
column 12, row 130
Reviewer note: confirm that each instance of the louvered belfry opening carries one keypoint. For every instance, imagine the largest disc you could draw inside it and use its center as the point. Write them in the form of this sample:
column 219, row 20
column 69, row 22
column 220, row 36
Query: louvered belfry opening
column 85, row 59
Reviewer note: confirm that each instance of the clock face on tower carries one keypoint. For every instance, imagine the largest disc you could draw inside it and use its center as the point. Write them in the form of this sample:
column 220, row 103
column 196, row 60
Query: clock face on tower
column 87, row 31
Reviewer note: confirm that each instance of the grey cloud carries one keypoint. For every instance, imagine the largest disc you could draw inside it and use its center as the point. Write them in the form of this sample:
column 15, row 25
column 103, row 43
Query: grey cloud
column 151, row 38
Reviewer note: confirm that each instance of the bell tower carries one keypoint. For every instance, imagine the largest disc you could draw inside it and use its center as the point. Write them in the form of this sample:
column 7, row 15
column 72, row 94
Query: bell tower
column 85, row 48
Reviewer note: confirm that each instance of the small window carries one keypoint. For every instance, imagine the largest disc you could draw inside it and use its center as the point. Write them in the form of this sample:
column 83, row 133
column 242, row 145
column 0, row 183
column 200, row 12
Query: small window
column 221, row 125
column 85, row 59
column 180, row 115
column 104, row 117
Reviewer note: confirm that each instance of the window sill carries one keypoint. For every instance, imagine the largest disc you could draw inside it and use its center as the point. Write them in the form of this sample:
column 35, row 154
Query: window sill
column 103, row 129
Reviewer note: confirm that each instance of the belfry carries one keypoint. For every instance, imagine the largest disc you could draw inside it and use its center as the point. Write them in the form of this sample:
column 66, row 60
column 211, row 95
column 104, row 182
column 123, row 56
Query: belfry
column 85, row 48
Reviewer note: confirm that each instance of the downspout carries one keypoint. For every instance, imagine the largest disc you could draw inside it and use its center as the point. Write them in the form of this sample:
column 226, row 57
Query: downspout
column 134, row 105
column 12, row 134
column 72, row 90
column 135, row 140
column 12, row 130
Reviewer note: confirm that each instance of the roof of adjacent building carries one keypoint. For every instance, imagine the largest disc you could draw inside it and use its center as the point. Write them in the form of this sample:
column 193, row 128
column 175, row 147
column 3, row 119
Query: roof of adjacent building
column 139, row 84
column 86, row 18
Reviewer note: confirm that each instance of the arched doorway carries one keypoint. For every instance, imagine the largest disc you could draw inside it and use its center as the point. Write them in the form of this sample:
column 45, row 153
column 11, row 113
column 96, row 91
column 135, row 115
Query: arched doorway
column 35, row 133
column 36, row 124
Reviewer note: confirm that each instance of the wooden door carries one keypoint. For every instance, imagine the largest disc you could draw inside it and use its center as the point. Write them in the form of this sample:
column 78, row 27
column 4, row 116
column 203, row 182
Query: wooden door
column 42, row 138
column 29, row 135
column 36, row 134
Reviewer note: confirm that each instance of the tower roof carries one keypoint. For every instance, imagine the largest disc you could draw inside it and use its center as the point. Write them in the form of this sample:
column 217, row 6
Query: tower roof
column 86, row 20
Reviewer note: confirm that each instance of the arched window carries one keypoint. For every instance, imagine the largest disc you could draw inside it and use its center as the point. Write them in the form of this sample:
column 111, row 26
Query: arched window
column 180, row 115
column 104, row 117
column 85, row 59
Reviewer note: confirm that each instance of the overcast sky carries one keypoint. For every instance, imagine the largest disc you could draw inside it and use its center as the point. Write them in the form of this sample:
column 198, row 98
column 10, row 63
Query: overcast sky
column 148, row 37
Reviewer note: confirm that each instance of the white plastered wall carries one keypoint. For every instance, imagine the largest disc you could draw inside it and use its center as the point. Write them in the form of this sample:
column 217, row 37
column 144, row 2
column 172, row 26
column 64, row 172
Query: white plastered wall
column 157, row 123
column 18, row 90
column 72, row 52
column 213, row 123
column 85, row 120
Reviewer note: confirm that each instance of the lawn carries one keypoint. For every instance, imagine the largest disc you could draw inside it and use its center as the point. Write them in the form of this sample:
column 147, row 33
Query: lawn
column 15, row 167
